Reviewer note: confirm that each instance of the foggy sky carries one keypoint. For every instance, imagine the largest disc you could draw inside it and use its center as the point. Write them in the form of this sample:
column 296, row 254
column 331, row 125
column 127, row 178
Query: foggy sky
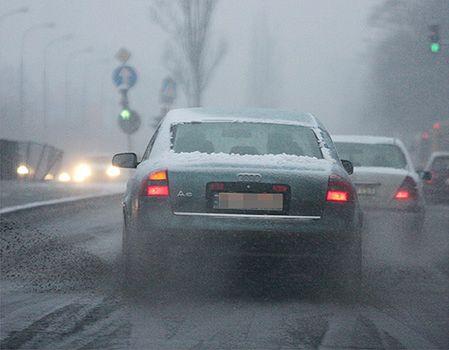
column 320, row 48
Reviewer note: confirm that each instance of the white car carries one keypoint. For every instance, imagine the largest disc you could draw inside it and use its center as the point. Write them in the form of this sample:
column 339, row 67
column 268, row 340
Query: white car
column 385, row 178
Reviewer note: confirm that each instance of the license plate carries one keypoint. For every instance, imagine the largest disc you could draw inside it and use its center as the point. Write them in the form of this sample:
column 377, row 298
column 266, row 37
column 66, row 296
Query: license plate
column 366, row 190
column 249, row 201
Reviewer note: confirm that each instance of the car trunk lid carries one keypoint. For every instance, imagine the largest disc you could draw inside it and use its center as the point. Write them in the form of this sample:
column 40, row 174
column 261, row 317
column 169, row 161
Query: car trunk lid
column 376, row 186
column 249, row 188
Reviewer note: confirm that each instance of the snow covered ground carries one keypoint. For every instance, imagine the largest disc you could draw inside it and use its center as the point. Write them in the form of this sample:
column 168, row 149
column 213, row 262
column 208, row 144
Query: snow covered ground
column 61, row 288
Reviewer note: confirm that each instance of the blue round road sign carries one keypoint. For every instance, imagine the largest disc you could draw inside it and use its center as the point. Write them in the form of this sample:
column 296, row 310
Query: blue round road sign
column 168, row 91
column 124, row 77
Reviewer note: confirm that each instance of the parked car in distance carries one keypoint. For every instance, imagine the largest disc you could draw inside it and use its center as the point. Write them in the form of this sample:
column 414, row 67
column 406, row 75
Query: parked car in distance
column 242, row 180
column 436, row 189
column 385, row 178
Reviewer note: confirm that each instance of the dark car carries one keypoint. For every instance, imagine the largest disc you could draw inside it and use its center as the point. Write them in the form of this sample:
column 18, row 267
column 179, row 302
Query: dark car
column 436, row 190
column 237, row 178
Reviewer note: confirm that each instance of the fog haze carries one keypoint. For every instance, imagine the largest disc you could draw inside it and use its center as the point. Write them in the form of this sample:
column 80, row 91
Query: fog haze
column 319, row 53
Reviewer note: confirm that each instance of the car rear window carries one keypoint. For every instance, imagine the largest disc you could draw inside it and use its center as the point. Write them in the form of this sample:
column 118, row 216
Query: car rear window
column 245, row 139
column 372, row 155
column 440, row 164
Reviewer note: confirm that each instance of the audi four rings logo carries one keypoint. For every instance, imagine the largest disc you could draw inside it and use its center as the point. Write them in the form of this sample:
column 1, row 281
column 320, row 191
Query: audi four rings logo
column 249, row 177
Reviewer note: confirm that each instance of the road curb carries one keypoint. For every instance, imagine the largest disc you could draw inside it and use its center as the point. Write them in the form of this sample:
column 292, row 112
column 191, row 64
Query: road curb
column 33, row 205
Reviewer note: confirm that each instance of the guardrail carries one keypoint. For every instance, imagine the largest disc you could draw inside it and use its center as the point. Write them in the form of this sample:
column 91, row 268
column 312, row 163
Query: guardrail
column 28, row 160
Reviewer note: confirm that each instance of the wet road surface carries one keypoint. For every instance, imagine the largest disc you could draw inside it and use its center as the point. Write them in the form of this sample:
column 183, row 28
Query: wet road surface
column 61, row 288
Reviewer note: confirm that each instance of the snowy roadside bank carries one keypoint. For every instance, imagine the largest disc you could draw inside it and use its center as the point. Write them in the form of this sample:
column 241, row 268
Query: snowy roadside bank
column 20, row 195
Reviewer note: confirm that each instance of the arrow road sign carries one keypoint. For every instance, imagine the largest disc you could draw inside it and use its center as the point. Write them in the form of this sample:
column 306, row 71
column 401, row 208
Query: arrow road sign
column 168, row 91
column 124, row 77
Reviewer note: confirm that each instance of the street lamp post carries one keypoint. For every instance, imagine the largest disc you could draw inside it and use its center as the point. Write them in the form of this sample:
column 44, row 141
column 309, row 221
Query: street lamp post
column 11, row 13
column 55, row 41
column 101, row 98
column 100, row 84
column 47, row 25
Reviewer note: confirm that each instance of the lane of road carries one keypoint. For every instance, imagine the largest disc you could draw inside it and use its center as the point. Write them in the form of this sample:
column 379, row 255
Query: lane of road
column 61, row 287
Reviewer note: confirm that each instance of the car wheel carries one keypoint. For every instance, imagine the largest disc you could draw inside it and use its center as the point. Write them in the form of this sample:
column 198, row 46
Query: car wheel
column 130, row 269
column 417, row 226
column 412, row 228
column 347, row 272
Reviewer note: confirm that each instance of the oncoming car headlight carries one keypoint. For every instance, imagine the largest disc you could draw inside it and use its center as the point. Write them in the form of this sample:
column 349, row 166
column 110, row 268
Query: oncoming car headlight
column 64, row 177
column 112, row 171
column 82, row 172
column 23, row 170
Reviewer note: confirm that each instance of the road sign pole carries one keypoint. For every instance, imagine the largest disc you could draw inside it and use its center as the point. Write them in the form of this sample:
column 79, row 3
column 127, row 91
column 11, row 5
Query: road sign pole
column 124, row 78
column 125, row 103
column 124, row 98
column 167, row 96
column 129, row 145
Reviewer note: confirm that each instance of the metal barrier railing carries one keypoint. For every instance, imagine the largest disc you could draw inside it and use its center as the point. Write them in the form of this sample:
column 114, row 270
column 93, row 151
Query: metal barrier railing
column 35, row 160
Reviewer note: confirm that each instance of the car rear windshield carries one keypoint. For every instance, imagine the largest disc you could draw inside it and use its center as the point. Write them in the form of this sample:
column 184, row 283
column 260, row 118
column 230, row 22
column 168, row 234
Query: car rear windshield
column 245, row 139
column 372, row 155
column 440, row 164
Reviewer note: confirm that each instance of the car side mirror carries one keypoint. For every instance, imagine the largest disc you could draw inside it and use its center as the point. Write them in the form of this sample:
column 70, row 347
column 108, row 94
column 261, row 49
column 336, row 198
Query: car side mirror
column 425, row 175
column 125, row 160
column 347, row 165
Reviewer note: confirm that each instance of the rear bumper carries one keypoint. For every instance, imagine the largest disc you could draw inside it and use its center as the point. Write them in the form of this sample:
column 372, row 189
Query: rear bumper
column 307, row 246
column 399, row 207
column 335, row 219
column 214, row 234
column 394, row 220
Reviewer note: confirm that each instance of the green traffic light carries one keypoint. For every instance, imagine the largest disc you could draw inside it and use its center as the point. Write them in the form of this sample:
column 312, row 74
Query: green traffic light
column 125, row 114
column 435, row 47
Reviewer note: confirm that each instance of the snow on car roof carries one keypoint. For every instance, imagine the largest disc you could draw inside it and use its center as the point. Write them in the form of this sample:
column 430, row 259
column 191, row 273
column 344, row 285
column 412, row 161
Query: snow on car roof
column 365, row 139
column 250, row 115
column 380, row 170
column 440, row 154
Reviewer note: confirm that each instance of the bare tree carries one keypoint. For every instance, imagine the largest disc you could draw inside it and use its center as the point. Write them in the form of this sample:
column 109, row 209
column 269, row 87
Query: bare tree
column 408, row 85
column 190, row 56
column 264, row 66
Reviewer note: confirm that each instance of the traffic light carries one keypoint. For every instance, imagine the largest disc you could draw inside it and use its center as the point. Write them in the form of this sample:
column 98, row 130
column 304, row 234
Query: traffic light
column 435, row 44
column 129, row 121
column 125, row 114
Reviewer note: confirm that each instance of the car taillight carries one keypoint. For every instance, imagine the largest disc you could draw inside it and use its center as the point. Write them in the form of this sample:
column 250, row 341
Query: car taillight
column 337, row 196
column 402, row 195
column 280, row 188
column 407, row 191
column 216, row 186
column 339, row 190
column 157, row 191
column 156, row 185
column 159, row 175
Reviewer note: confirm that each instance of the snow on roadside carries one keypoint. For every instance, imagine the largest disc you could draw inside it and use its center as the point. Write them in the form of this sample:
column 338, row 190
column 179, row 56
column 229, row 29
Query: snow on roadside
column 19, row 195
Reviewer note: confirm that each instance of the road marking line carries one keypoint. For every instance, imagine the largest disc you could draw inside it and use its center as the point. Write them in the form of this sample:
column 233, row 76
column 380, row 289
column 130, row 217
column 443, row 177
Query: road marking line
column 33, row 205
